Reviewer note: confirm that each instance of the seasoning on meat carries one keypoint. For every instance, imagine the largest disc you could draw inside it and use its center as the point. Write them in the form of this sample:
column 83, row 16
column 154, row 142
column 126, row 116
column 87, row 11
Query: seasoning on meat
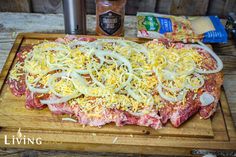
column 100, row 81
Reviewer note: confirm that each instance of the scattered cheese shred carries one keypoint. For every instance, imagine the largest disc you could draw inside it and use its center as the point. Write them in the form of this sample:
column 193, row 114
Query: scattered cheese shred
column 110, row 73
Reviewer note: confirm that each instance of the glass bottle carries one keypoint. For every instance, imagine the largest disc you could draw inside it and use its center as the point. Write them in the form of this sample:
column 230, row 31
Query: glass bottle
column 110, row 17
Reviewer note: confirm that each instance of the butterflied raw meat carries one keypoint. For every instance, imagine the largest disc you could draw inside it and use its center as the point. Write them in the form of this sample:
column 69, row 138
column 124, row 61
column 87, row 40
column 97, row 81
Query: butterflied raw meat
column 101, row 81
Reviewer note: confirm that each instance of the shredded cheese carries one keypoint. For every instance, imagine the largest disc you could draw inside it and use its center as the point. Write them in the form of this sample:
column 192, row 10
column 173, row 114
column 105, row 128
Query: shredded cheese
column 112, row 74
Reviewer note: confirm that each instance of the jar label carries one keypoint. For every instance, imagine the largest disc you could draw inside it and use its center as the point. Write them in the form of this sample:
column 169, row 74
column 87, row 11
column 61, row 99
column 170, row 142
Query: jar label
column 110, row 22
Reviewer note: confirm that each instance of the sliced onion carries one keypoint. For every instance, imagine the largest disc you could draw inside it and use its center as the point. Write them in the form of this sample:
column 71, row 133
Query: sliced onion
column 69, row 119
column 174, row 89
column 171, row 99
column 196, row 87
column 147, row 110
column 57, row 100
column 133, row 94
column 137, row 47
column 98, row 89
column 77, row 43
column 81, row 71
column 206, row 99
column 120, row 58
column 51, row 80
column 90, row 71
column 62, row 98
column 82, row 86
column 189, row 71
column 54, row 65
column 95, row 80
column 212, row 53
column 140, row 95
column 169, row 75
column 87, row 71
column 77, row 77
column 58, row 47
column 34, row 89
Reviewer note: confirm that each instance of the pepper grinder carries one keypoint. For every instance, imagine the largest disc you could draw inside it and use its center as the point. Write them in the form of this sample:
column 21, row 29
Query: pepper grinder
column 74, row 16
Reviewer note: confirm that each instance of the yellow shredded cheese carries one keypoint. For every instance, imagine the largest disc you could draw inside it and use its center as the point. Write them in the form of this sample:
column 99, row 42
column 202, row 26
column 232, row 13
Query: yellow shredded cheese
column 174, row 67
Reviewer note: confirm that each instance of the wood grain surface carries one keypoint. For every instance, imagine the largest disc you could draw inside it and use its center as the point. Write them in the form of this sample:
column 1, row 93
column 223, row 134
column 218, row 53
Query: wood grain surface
column 221, row 7
column 55, row 6
column 182, row 7
column 176, row 7
column 54, row 23
column 15, row 5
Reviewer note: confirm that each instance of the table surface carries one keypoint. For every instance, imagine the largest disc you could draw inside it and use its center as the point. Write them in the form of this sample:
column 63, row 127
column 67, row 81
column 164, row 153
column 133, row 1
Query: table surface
column 13, row 23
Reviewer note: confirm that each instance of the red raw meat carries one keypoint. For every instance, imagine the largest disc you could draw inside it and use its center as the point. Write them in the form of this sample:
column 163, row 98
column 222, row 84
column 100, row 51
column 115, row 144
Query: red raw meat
column 150, row 121
column 17, row 88
column 62, row 108
column 183, row 112
column 22, row 54
column 33, row 100
column 68, row 38
column 177, row 113
column 212, row 86
column 119, row 117
column 88, row 39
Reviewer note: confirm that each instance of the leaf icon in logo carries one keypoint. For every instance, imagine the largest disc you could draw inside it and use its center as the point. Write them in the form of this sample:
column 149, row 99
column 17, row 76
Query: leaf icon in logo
column 19, row 134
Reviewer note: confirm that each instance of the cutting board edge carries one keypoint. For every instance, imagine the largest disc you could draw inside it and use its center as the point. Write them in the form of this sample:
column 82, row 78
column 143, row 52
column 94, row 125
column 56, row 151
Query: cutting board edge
column 225, row 108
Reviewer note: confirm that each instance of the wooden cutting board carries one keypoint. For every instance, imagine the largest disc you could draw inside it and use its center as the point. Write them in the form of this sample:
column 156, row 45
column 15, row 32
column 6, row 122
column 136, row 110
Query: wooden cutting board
column 215, row 133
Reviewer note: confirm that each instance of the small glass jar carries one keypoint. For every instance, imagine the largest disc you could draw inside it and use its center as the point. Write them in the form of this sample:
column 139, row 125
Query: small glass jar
column 110, row 17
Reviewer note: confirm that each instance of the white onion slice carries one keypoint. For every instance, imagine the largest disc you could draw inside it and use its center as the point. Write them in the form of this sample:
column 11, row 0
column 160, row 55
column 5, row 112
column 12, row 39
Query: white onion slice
column 120, row 58
column 34, row 89
column 76, row 77
column 196, row 87
column 133, row 94
column 90, row 71
column 171, row 99
column 206, row 99
column 77, row 43
column 122, row 42
column 69, row 119
column 51, row 83
column 70, row 71
column 169, row 75
column 57, row 100
column 82, row 86
column 89, row 48
column 174, row 89
column 146, row 110
column 81, row 71
column 212, row 53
